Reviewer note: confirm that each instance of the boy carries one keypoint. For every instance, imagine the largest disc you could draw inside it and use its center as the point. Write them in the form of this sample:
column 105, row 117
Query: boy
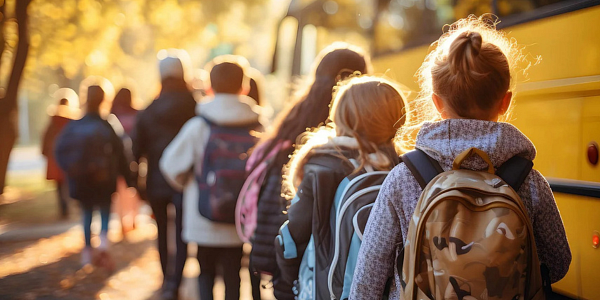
column 155, row 128
column 197, row 147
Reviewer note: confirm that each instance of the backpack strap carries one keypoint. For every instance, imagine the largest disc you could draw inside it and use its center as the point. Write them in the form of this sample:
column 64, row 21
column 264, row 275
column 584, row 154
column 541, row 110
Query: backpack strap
column 210, row 123
column 422, row 166
column 514, row 171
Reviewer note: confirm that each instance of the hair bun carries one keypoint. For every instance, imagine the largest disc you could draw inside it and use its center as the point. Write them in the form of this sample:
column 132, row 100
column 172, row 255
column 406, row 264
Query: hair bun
column 464, row 50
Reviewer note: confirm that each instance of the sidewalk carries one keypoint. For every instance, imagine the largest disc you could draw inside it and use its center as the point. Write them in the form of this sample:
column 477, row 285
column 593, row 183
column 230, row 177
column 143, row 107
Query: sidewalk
column 40, row 253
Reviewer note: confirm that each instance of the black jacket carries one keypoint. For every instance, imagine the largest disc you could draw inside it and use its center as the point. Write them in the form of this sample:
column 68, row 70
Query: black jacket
column 311, row 214
column 270, row 216
column 92, row 175
column 155, row 127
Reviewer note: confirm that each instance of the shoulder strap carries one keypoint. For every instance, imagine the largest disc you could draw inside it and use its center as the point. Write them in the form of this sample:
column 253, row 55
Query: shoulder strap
column 249, row 126
column 422, row 166
column 514, row 171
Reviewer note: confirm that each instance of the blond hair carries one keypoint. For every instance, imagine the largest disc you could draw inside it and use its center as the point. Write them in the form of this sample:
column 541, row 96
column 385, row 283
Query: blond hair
column 367, row 108
column 471, row 67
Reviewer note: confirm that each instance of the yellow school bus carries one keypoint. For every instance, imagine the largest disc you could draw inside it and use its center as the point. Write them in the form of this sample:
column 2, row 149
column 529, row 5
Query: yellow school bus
column 557, row 103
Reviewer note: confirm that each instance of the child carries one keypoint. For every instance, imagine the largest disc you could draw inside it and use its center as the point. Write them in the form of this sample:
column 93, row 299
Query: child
column 155, row 128
column 218, row 243
column 365, row 114
column 127, row 200
column 61, row 114
column 92, row 156
column 467, row 79
column 309, row 109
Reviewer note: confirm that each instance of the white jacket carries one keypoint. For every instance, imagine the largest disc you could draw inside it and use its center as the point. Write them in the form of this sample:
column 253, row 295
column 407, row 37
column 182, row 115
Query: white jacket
column 186, row 151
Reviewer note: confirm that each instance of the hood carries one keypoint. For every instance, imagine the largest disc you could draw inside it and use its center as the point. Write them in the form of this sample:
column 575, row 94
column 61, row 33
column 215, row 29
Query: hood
column 229, row 110
column 293, row 171
column 444, row 140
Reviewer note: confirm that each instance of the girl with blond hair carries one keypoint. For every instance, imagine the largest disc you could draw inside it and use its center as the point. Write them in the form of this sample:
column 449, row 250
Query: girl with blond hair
column 365, row 114
column 308, row 109
column 466, row 85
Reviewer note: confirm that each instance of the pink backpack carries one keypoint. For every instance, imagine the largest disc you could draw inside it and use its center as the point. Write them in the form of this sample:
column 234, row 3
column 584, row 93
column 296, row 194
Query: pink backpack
column 246, row 210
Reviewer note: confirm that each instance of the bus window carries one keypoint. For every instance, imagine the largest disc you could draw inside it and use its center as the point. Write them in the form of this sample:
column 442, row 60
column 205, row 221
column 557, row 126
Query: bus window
column 404, row 24
column 511, row 7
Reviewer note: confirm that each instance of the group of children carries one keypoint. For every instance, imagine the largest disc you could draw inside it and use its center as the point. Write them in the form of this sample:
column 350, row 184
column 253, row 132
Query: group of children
column 360, row 129
column 466, row 87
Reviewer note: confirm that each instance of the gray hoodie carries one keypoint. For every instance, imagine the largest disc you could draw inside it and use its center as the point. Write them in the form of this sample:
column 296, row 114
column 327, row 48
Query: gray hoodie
column 388, row 224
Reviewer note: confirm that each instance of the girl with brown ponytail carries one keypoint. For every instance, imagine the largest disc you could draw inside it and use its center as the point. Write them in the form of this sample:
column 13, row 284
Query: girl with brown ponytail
column 365, row 114
column 466, row 91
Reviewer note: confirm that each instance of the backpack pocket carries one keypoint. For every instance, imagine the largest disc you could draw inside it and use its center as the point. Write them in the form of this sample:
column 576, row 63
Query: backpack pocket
column 218, row 196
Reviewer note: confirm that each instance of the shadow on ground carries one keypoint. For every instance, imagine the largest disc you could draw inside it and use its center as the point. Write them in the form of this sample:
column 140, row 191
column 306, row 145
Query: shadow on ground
column 65, row 279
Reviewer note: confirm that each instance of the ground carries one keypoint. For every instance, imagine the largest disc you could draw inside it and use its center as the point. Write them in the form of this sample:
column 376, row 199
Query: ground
column 40, row 253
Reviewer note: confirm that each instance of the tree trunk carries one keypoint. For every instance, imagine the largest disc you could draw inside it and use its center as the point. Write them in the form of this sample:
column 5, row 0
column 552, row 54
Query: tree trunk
column 8, row 104
column 2, row 21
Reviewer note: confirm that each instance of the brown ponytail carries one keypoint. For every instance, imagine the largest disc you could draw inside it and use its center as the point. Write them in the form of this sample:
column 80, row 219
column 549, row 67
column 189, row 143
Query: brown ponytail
column 473, row 77
column 463, row 52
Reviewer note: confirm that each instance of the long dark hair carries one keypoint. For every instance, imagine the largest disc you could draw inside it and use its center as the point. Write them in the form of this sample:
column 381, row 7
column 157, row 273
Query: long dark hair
column 310, row 108
column 123, row 103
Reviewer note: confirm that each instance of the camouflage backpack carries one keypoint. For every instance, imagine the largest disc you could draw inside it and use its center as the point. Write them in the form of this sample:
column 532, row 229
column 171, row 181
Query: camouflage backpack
column 470, row 236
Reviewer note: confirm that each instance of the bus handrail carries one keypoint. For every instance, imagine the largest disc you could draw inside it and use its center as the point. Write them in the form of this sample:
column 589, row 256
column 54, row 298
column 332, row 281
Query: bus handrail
column 575, row 187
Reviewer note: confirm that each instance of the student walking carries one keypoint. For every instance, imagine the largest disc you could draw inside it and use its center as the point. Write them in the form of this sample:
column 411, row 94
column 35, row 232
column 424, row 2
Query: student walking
column 365, row 115
column 466, row 85
column 127, row 200
column 92, row 156
column 156, row 126
column 309, row 109
column 206, row 160
column 66, row 110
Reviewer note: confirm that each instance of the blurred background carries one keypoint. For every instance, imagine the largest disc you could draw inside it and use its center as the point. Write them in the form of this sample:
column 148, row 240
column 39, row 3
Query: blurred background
column 46, row 45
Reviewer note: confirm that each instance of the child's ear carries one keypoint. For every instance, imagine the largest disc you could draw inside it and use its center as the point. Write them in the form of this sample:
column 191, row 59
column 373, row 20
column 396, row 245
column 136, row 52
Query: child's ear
column 505, row 103
column 439, row 105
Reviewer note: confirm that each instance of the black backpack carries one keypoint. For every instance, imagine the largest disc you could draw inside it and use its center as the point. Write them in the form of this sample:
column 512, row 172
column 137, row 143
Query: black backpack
column 224, row 169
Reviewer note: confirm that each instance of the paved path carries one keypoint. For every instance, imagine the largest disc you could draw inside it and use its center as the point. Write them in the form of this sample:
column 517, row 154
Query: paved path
column 40, row 254
column 42, row 262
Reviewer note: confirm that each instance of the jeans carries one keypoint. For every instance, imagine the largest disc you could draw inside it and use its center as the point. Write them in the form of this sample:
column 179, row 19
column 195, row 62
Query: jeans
column 229, row 259
column 88, row 211
column 172, row 273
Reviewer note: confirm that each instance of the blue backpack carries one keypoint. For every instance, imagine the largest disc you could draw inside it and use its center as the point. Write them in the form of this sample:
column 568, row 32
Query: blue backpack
column 224, row 170
column 353, row 201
